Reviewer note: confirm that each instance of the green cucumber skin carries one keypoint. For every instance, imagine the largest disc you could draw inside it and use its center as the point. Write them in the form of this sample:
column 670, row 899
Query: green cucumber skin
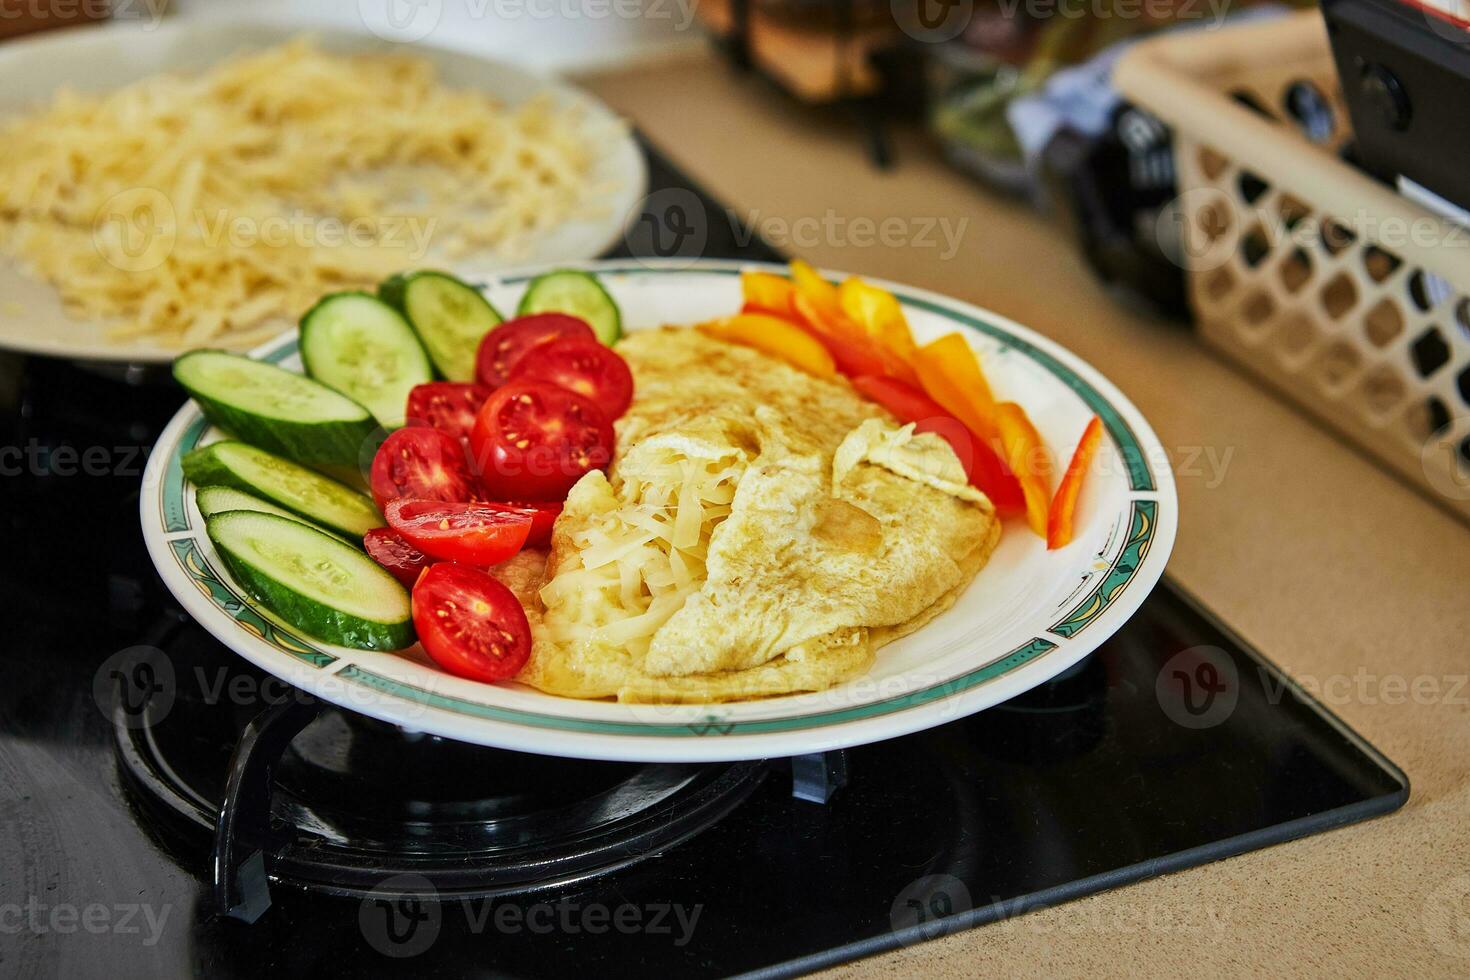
column 203, row 468
column 306, row 614
column 452, row 364
column 388, row 410
column 306, row 442
column 607, row 332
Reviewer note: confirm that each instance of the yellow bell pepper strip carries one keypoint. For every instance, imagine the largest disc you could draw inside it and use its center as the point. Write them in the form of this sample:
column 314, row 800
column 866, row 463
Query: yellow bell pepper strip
column 881, row 318
column 950, row 373
column 1064, row 504
column 820, row 294
column 1028, row 459
column 777, row 337
column 766, row 292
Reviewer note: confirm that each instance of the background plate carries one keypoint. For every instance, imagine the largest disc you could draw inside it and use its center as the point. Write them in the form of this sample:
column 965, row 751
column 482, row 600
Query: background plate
column 1028, row 615
column 102, row 58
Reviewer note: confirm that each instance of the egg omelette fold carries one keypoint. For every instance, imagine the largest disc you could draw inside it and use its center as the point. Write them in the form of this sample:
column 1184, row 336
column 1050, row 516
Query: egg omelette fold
column 759, row 532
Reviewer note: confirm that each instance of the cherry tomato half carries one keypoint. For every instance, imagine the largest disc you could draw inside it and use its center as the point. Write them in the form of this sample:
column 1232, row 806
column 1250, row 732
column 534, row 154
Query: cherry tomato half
column 389, row 548
column 470, row 624
column 476, row 534
column 448, row 406
column 420, row 462
column 532, row 441
column 985, row 469
column 591, row 369
column 508, row 343
column 543, row 514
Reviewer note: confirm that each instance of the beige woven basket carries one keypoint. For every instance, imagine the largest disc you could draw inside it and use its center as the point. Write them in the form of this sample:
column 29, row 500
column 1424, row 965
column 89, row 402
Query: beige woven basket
column 1350, row 299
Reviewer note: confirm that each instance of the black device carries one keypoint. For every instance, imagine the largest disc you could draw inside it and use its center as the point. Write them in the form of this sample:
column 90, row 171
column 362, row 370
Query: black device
column 1404, row 68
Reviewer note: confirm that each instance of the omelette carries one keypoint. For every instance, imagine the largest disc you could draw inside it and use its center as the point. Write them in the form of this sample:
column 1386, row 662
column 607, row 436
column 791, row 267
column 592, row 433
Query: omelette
column 759, row 532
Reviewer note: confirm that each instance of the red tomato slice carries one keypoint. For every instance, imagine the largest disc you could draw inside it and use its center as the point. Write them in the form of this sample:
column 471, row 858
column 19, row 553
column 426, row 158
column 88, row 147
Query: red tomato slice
column 470, row 624
column 543, row 514
column 476, row 534
column 532, row 441
column 984, row 468
column 388, row 548
column 508, row 343
column 421, row 462
column 591, row 369
column 448, row 406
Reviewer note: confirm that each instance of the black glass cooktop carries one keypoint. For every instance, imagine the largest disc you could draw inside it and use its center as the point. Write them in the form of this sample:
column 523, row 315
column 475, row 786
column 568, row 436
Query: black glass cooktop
column 1173, row 745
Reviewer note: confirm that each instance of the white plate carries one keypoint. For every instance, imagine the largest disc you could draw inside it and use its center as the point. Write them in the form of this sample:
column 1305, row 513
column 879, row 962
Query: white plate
column 1028, row 615
column 108, row 56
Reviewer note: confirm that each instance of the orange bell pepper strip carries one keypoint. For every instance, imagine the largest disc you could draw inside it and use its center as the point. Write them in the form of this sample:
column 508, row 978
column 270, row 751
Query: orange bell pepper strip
column 852, row 357
column 766, row 292
column 1064, row 504
column 1028, row 459
column 881, row 318
column 777, row 337
column 950, row 373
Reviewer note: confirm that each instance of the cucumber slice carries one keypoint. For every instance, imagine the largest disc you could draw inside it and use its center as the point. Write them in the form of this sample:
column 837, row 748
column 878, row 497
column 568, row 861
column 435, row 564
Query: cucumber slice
column 313, row 581
column 281, row 482
column 362, row 347
column 450, row 317
column 275, row 409
column 579, row 294
column 219, row 500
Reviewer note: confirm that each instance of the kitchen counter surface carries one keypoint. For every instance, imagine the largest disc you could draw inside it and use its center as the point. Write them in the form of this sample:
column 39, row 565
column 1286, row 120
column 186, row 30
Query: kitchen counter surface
column 1350, row 580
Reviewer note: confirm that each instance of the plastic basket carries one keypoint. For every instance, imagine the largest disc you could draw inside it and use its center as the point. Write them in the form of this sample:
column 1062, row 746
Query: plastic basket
column 1350, row 299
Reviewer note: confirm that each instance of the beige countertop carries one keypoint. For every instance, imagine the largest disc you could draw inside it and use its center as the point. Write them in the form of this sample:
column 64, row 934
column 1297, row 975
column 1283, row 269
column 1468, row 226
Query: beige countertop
column 1350, row 580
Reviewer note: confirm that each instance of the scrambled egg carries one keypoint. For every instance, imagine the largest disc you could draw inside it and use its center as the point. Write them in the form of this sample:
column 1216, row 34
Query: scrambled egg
column 760, row 532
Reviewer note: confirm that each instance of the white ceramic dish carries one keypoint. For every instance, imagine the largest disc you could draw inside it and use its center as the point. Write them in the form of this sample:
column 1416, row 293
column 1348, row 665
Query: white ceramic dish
column 108, row 56
column 1028, row 615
